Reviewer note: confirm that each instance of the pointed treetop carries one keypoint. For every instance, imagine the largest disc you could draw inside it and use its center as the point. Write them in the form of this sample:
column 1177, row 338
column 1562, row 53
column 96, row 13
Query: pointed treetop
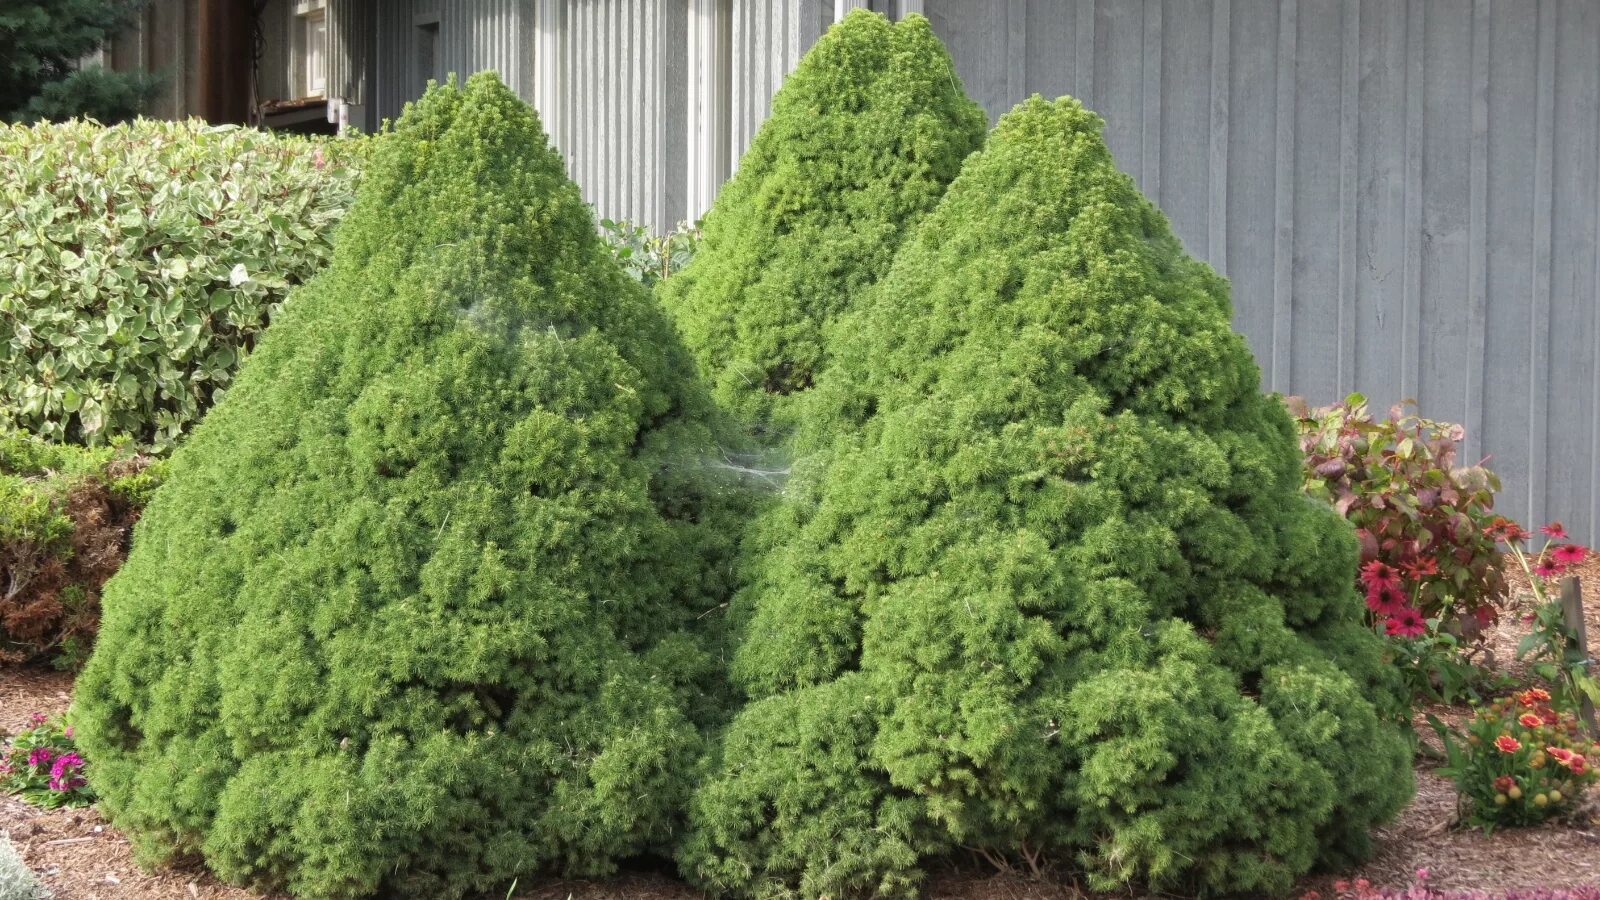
column 863, row 138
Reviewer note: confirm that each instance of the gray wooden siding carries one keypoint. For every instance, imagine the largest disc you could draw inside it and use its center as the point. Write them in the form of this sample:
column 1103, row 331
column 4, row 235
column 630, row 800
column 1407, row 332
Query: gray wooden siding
column 1405, row 193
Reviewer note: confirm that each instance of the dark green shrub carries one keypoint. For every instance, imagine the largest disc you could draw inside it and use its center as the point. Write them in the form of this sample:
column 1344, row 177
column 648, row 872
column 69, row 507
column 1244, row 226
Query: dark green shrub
column 41, row 45
column 863, row 138
column 66, row 514
column 1044, row 584
column 141, row 262
column 94, row 92
column 413, row 612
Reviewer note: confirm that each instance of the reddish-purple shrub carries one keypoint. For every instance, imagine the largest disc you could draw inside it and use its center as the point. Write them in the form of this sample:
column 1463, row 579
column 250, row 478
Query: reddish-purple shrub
column 1426, row 549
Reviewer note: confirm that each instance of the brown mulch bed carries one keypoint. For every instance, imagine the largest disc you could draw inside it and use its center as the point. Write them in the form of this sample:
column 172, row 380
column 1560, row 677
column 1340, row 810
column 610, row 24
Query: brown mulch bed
column 79, row 857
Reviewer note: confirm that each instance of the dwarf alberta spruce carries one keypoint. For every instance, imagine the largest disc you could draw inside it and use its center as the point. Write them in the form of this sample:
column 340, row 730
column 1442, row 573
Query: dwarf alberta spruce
column 415, row 612
column 1043, row 584
column 863, row 138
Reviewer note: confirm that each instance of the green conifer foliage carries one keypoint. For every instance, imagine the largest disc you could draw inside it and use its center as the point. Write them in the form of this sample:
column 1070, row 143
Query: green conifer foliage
column 863, row 138
column 414, row 612
column 1043, row 583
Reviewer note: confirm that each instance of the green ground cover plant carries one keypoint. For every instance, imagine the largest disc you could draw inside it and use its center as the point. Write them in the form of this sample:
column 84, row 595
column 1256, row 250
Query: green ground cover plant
column 1043, row 584
column 864, row 136
column 419, row 609
column 142, row 262
column 41, row 764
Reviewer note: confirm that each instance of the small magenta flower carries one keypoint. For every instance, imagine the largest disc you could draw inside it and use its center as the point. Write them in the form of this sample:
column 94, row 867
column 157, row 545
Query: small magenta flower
column 40, row 756
column 39, row 718
column 64, row 762
column 1405, row 622
column 67, row 731
column 1555, row 530
column 1569, row 554
column 1378, row 575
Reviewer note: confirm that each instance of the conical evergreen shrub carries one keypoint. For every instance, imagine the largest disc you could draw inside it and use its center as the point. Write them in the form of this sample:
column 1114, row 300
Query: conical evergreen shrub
column 413, row 613
column 1043, row 584
column 863, row 138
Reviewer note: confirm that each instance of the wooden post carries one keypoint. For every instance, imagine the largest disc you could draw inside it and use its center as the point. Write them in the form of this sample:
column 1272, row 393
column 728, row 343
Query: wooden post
column 1572, row 612
column 224, row 69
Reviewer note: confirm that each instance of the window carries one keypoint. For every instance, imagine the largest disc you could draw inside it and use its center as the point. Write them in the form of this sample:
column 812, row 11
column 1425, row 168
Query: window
column 427, row 59
column 315, row 24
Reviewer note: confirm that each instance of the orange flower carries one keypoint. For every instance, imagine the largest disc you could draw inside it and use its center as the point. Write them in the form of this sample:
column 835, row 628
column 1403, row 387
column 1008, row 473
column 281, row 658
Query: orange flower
column 1507, row 744
column 1529, row 720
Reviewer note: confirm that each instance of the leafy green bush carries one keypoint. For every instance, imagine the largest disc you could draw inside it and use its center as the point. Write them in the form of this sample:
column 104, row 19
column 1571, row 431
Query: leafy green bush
column 863, row 138
column 416, row 609
column 141, row 262
column 1043, row 584
column 66, row 514
column 650, row 258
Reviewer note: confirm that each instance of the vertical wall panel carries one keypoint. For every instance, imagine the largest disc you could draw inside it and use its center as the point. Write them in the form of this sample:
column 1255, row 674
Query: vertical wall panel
column 1185, row 103
column 1567, row 367
column 1444, row 271
column 1315, row 186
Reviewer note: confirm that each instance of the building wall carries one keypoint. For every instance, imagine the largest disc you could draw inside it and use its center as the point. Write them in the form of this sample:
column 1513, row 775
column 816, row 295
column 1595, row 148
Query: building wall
column 1405, row 193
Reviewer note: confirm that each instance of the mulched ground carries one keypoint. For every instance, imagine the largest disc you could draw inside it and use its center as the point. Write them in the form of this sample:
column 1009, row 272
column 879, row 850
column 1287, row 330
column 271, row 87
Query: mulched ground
column 79, row 857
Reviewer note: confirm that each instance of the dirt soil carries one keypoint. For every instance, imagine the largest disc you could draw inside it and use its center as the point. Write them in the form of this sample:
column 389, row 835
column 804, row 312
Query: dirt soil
column 80, row 857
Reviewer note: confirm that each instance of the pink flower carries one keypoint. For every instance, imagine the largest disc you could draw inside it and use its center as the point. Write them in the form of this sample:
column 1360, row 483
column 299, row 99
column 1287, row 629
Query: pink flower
column 1379, row 575
column 1405, row 622
column 40, row 756
column 64, row 762
column 1505, row 743
column 1504, row 530
column 1548, row 568
column 39, row 718
column 1385, row 601
column 1421, row 567
column 1555, row 530
column 1422, row 874
column 1569, row 554
column 67, row 731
